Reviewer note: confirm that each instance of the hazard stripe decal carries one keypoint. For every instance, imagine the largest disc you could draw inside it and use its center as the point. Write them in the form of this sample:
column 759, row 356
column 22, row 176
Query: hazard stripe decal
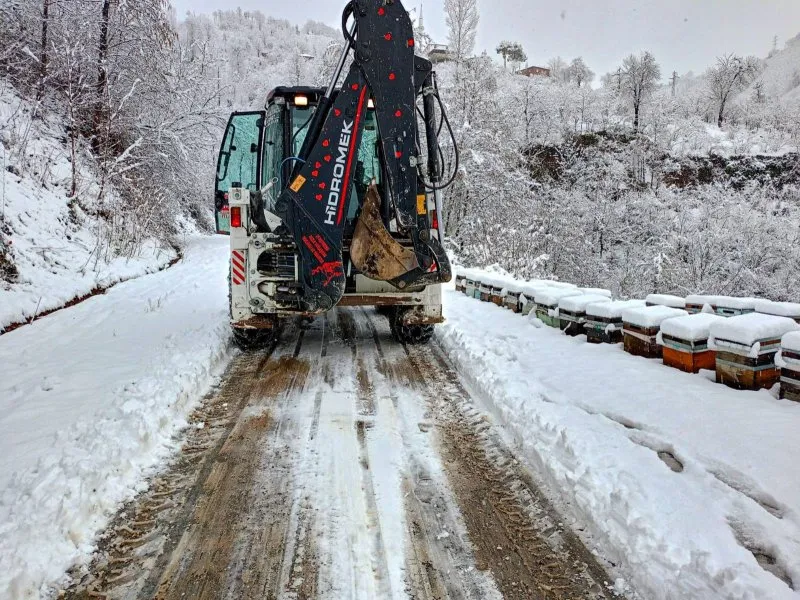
column 237, row 268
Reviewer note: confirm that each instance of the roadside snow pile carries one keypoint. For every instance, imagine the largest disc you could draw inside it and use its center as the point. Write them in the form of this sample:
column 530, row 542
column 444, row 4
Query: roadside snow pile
column 691, row 328
column 57, row 251
column 666, row 300
column 91, row 400
column 650, row 316
column 684, row 484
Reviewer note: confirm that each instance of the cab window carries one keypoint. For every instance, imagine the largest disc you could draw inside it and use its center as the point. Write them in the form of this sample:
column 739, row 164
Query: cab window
column 239, row 162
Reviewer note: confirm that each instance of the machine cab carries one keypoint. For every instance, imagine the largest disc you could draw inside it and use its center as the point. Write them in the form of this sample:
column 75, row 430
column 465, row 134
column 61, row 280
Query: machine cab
column 239, row 163
column 258, row 147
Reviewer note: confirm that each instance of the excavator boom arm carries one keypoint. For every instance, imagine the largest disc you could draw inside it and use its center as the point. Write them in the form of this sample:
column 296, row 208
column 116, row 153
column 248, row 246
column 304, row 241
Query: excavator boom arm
column 313, row 206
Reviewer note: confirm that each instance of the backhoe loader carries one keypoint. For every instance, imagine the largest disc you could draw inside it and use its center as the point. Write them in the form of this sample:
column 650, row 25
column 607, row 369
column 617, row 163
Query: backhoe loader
column 332, row 197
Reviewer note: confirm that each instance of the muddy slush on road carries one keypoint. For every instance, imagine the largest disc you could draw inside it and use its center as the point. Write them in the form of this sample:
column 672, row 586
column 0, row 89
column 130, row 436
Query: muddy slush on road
column 341, row 465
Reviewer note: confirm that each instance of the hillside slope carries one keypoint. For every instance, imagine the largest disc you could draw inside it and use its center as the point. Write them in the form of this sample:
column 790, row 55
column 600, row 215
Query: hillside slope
column 53, row 247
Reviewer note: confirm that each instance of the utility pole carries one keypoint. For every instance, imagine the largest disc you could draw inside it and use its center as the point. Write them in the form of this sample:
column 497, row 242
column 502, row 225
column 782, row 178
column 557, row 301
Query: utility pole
column 674, row 81
column 775, row 44
column 619, row 79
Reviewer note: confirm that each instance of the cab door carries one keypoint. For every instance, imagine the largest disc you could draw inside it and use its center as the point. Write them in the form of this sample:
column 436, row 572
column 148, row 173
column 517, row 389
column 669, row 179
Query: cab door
column 239, row 162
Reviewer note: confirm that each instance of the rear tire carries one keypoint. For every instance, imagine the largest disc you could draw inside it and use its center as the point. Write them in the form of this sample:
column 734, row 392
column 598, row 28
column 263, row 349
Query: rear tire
column 409, row 334
column 253, row 339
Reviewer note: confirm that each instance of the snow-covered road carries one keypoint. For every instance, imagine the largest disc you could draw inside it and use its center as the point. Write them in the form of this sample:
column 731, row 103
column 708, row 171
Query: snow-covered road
column 90, row 401
column 350, row 468
column 342, row 465
column 691, row 487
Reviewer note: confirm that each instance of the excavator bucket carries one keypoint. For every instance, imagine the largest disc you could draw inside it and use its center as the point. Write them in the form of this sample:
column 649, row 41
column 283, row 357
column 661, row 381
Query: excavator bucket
column 374, row 251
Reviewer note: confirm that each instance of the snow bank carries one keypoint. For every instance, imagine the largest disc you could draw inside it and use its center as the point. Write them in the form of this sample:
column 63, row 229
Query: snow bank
column 666, row 300
column 593, row 435
column 778, row 309
column 650, row 316
column 578, row 304
column 60, row 251
column 691, row 328
column 612, row 310
column 91, row 400
column 751, row 328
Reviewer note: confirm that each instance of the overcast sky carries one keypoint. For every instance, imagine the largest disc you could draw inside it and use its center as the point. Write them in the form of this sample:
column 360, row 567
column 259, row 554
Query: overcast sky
column 684, row 35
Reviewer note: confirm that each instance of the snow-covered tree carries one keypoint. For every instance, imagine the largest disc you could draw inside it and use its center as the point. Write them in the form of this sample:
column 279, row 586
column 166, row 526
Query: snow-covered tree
column 639, row 77
column 579, row 73
column 511, row 52
column 729, row 76
column 462, row 25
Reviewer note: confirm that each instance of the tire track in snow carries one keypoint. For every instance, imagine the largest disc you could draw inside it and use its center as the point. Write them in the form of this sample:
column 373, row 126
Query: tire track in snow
column 517, row 533
column 439, row 563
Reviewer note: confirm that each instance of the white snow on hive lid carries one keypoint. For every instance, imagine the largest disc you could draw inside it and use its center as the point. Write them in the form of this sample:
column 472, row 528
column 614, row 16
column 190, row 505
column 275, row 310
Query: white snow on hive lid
column 551, row 296
column 578, row 304
column 691, row 328
column 737, row 303
column 651, row 316
column 702, row 300
column 751, row 328
column 791, row 342
column 531, row 288
column 666, row 300
column 514, row 287
column 778, row 309
column 562, row 285
column 723, row 301
column 612, row 310
column 597, row 292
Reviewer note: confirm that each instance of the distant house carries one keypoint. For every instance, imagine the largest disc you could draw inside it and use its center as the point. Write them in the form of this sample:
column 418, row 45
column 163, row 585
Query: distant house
column 534, row 72
column 439, row 53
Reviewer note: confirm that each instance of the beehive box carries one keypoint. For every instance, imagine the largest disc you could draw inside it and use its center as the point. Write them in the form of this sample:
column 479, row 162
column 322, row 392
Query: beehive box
column 572, row 311
column 685, row 342
column 513, row 294
column 746, row 346
column 666, row 300
column 641, row 327
column 471, row 287
column 789, row 362
column 527, row 301
column 779, row 309
column 728, row 306
column 461, row 282
column 547, row 304
column 725, row 306
column 497, row 291
column 604, row 321
column 697, row 303
column 485, row 289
